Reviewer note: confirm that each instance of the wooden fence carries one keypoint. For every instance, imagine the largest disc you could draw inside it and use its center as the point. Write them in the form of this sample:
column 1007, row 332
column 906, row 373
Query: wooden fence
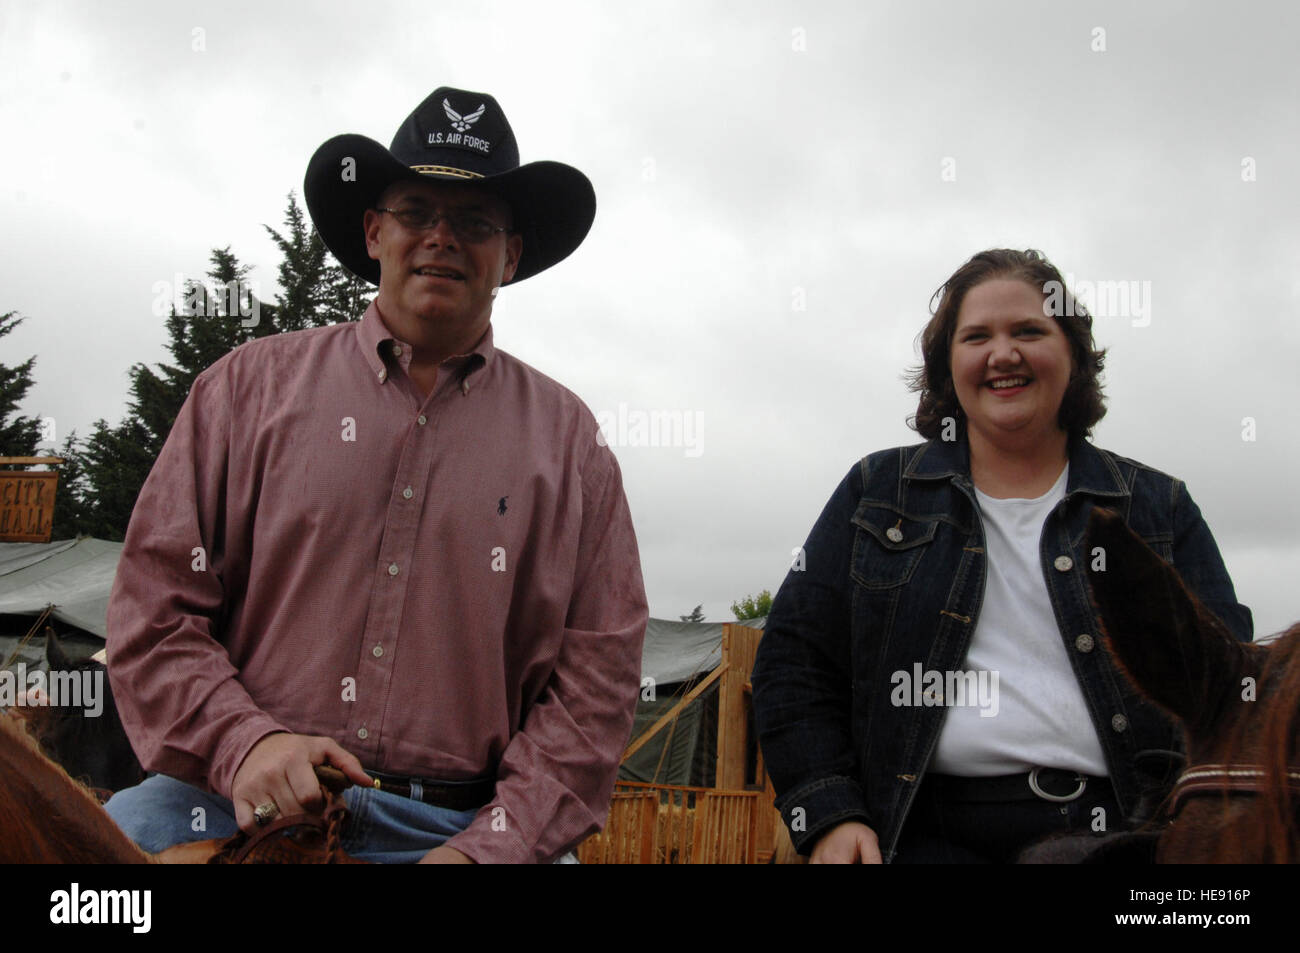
column 734, row 823
column 672, row 824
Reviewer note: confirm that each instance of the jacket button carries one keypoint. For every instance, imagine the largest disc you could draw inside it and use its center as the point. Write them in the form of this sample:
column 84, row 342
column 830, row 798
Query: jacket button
column 1084, row 643
column 1063, row 563
column 1119, row 722
column 895, row 534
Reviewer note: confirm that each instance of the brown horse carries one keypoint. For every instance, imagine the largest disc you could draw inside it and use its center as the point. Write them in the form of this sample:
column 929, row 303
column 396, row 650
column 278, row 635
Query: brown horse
column 47, row 817
column 1238, row 797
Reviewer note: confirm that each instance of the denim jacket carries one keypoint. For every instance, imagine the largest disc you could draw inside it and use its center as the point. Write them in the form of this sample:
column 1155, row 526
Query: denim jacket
column 893, row 575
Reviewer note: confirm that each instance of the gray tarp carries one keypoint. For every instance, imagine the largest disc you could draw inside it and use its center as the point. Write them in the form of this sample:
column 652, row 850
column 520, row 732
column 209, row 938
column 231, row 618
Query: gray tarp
column 677, row 651
column 74, row 576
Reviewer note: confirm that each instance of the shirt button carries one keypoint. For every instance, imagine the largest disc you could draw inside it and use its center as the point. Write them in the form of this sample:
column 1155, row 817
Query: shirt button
column 363, row 734
column 1084, row 643
column 1119, row 722
column 392, row 569
column 397, row 350
column 377, row 651
column 1063, row 563
column 895, row 534
column 421, row 420
column 408, row 493
column 383, row 375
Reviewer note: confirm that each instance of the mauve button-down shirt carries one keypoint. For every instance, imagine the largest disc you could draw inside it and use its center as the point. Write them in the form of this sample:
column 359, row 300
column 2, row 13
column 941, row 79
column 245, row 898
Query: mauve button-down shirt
column 449, row 586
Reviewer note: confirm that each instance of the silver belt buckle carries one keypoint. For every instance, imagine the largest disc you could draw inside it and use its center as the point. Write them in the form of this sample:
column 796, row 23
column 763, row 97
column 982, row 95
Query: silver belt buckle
column 1059, row 798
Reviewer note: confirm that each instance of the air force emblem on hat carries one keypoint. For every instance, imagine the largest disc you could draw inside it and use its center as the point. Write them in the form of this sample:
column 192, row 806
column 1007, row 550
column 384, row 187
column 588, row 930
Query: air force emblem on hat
column 462, row 123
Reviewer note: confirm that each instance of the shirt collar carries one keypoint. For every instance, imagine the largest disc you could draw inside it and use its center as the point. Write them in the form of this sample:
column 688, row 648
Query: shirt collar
column 1091, row 471
column 377, row 341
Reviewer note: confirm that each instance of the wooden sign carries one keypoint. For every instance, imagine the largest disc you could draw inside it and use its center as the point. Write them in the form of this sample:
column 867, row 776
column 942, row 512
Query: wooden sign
column 27, row 501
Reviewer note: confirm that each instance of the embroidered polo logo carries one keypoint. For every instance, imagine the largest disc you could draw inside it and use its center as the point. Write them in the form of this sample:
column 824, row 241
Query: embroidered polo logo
column 462, row 123
column 501, row 506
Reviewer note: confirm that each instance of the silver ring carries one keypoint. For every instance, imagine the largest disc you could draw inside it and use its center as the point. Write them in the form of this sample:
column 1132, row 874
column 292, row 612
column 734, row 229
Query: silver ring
column 1060, row 799
column 263, row 814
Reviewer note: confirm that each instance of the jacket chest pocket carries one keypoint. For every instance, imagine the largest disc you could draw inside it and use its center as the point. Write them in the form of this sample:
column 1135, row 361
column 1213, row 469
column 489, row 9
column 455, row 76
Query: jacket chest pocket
column 887, row 546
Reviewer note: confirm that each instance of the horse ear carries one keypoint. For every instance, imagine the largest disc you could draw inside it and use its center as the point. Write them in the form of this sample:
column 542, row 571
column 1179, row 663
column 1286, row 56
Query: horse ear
column 54, row 654
column 1176, row 652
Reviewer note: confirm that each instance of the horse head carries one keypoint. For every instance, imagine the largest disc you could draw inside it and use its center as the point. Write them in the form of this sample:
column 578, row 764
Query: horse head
column 90, row 745
column 1238, row 703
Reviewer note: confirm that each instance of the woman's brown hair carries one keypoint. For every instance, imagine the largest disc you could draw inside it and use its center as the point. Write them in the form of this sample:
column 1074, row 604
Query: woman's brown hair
column 1083, row 404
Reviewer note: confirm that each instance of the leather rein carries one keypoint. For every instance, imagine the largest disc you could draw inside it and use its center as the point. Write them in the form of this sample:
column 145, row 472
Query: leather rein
column 1202, row 779
column 274, row 843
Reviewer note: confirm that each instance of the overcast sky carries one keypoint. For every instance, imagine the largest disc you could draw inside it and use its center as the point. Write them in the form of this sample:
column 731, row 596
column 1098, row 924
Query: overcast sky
column 781, row 187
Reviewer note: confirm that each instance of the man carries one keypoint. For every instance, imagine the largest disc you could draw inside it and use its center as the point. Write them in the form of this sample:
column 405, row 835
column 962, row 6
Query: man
column 387, row 545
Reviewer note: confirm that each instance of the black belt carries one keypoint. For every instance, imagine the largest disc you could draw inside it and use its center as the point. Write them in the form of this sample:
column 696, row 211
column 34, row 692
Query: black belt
column 453, row 795
column 1047, row 784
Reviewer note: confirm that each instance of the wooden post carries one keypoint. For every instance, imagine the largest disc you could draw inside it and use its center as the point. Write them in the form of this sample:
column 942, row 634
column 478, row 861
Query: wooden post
column 739, row 645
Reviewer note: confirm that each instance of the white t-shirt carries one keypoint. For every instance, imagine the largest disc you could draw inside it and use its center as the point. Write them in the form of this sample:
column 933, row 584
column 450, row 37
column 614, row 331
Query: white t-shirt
column 1036, row 714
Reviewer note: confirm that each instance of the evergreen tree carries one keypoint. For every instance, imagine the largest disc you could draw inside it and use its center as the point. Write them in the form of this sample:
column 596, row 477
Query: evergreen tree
column 303, row 272
column 19, row 435
column 74, row 515
column 315, row 290
column 115, row 462
column 346, row 296
column 697, row 614
column 214, row 319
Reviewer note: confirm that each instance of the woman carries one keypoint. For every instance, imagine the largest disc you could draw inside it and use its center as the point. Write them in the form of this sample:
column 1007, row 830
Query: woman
column 930, row 685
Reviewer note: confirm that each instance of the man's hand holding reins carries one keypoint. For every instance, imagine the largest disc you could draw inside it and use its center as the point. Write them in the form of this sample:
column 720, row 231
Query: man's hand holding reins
column 278, row 771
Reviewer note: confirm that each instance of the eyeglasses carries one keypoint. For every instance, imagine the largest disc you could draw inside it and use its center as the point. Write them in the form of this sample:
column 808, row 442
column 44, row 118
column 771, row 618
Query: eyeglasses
column 466, row 226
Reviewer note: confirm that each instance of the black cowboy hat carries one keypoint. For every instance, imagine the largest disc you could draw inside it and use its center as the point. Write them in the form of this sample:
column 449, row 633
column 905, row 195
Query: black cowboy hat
column 453, row 136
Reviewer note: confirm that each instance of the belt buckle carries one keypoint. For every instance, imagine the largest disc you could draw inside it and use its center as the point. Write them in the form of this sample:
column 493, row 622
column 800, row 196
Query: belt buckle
column 1059, row 798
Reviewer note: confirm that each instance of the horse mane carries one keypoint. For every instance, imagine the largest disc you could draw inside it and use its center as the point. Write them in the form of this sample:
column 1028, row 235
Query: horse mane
column 46, row 816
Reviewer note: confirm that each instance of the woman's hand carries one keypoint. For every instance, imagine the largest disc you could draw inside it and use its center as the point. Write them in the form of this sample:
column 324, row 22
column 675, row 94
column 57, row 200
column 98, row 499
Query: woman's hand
column 849, row 843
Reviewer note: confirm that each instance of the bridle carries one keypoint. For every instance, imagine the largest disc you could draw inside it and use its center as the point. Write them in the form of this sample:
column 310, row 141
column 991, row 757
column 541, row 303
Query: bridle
column 1202, row 779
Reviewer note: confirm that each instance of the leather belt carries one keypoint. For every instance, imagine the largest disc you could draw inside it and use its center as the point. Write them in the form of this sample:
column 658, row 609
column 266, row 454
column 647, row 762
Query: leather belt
column 1047, row 784
column 453, row 795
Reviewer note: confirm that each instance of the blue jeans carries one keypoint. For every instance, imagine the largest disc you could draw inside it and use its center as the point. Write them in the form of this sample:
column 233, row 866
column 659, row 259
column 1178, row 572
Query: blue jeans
column 381, row 827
